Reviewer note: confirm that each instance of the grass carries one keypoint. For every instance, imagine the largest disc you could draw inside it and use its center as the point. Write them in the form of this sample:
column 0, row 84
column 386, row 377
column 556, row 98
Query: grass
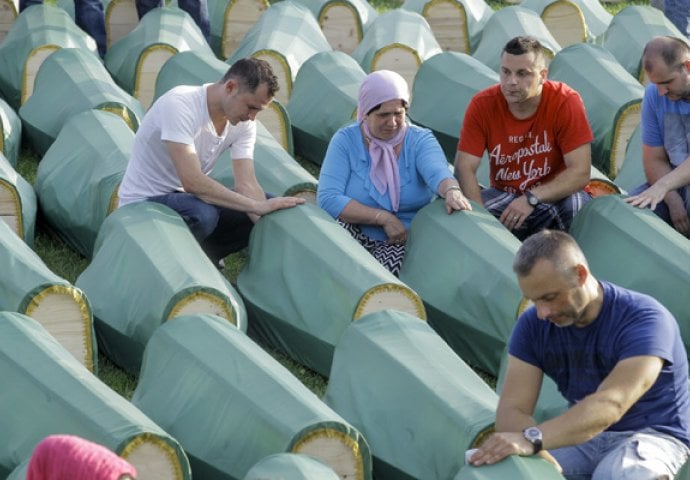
column 68, row 264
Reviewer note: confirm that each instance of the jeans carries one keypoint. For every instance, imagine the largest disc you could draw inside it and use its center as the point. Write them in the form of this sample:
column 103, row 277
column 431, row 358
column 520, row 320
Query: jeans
column 643, row 455
column 220, row 231
column 89, row 17
column 197, row 9
column 678, row 11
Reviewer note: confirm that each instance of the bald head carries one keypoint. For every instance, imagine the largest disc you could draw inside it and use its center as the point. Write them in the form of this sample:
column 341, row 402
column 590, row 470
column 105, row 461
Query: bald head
column 672, row 51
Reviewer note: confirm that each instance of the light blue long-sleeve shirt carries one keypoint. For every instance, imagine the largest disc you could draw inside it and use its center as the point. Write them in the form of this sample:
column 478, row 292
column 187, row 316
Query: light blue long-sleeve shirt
column 345, row 175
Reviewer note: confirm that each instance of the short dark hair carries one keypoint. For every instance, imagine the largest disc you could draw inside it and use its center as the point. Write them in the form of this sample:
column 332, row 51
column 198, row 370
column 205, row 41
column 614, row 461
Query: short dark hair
column 525, row 44
column 252, row 72
column 673, row 51
column 555, row 246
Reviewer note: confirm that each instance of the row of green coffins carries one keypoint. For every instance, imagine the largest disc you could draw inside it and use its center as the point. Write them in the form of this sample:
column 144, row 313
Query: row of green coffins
column 613, row 118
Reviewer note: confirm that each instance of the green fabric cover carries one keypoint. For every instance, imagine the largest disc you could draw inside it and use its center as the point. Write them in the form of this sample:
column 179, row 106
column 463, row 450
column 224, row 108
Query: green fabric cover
column 277, row 172
column 15, row 185
column 461, row 266
column 49, row 392
column 324, row 98
column 550, row 403
column 634, row 248
column 226, row 400
column 434, row 108
column 684, row 472
column 37, row 26
column 288, row 29
column 78, row 177
column 631, row 29
column 77, row 75
column 607, row 90
column 290, row 466
column 477, row 12
column 417, row 403
column 167, row 26
column 223, row 22
column 189, row 67
column 631, row 174
column 145, row 261
column 509, row 22
column 25, row 276
column 597, row 18
column 396, row 27
column 10, row 133
column 513, row 468
column 303, row 281
column 20, row 472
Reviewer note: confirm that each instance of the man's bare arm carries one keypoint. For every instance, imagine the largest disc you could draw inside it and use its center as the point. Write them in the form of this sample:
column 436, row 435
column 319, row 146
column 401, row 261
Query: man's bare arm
column 578, row 163
column 466, row 166
column 194, row 181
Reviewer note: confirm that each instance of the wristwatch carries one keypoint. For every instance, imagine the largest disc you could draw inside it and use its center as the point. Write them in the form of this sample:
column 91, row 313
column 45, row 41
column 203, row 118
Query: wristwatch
column 533, row 436
column 532, row 199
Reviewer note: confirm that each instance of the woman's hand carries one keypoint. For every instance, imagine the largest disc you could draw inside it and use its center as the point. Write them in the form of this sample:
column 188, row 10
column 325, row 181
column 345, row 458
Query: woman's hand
column 455, row 200
column 393, row 228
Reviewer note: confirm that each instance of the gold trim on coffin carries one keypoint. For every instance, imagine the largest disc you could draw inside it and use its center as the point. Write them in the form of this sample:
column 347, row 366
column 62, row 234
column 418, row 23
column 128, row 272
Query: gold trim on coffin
column 341, row 436
column 390, row 287
column 151, row 438
column 78, row 298
column 221, row 304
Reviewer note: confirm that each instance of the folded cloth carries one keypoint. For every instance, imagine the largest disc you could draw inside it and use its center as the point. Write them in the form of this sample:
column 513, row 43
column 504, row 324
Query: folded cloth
column 63, row 457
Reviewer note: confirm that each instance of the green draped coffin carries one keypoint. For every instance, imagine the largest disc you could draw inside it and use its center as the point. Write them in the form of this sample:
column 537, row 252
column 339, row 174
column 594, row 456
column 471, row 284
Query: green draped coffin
column 148, row 268
column 572, row 21
column 343, row 21
column 417, row 403
column 630, row 30
column 631, row 174
column 461, row 266
column 18, row 202
column 324, row 98
column 277, row 172
column 307, row 279
column 230, row 403
column 29, row 287
column 36, row 33
column 398, row 40
column 10, row 133
column 78, row 177
column 434, row 108
column 196, row 68
column 457, row 24
column 47, row 392
column 286, row 35
column 189, row 67
column 230, row 21
column 79, row 76
column 509, row 22
column 634, row 248
column 612, row 99
column 135, row 59
column 290, row 466
column 513, row 468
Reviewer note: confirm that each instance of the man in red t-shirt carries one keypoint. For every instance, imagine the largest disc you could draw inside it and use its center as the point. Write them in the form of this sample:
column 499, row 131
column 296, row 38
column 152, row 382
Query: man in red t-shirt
column 538, row 142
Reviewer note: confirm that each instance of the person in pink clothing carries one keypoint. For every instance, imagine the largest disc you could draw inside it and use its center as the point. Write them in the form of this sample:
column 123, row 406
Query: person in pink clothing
column 68, row 457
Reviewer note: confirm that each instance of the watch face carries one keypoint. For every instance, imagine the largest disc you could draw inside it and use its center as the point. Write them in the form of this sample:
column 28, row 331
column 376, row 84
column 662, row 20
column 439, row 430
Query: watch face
column 533, row 433
column 532, row 200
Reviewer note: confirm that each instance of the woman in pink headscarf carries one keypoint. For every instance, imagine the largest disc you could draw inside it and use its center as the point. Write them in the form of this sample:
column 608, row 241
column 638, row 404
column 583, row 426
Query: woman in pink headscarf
column 67, row 457
column 379, row 171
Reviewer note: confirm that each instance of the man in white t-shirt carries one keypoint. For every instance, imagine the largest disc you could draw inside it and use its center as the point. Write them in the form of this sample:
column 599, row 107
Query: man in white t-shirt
column 179, row 142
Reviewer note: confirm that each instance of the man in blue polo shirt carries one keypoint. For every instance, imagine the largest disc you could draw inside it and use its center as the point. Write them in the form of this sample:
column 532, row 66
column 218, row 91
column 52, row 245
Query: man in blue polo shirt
column 615, row 355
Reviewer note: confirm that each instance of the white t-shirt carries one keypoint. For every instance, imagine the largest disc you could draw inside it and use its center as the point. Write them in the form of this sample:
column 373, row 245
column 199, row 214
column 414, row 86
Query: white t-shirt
column 180, row 115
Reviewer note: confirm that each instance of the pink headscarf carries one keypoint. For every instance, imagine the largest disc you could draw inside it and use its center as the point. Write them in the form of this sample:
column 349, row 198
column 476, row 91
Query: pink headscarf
column 379, row 87
column 63, row 457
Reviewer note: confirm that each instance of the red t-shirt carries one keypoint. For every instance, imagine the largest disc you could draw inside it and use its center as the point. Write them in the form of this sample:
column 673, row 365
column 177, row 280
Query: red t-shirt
column 525, row 153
